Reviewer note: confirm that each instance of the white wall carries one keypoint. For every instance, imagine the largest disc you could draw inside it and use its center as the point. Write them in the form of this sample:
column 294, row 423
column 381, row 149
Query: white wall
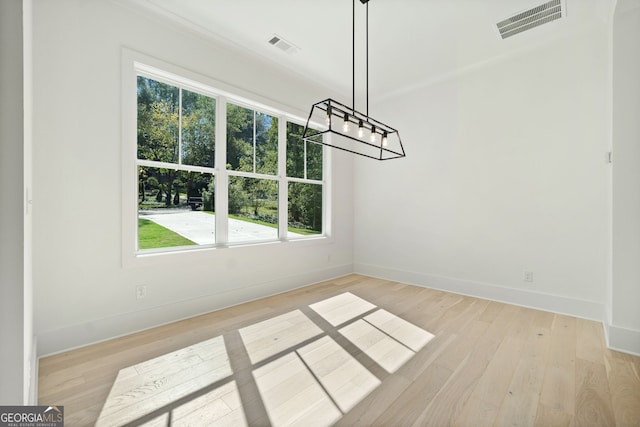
column 624, row 331
column 505, row 172
column 16, row 330
column 82, row 291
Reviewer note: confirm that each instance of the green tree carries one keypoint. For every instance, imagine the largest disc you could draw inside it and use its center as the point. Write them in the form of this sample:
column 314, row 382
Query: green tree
column 158, row 132
column 238, row 197
column 266, row 144
column 208, row 197
column 314, row 161
column 305, row 205
column 239, row 138
column 295, row 151
column 198, row 129
column 158, row 128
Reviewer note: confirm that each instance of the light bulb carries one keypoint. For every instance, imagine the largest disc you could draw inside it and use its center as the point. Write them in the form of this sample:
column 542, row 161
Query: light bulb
column 373, row 134
column 345, row 126
column 360, row 129
column 384, row 139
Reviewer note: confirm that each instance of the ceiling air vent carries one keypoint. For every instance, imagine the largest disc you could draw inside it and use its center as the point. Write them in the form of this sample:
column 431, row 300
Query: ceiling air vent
column 283, row 45
column 531, row 18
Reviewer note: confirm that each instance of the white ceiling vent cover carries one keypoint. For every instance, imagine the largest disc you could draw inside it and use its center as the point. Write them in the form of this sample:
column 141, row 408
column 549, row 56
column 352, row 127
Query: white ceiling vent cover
column 531, row 18
column 283, row 45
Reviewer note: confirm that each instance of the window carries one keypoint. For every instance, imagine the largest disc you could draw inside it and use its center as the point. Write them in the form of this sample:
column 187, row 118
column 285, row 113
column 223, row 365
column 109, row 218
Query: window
column 180, row 138
column 176, row 145
column 304, row 172
column 175, row 125
column 252, row 141
column 252, row 148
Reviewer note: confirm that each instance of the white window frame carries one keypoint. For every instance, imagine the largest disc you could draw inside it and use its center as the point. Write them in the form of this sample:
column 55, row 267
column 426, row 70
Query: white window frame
column 134, row 64
column 306, row 180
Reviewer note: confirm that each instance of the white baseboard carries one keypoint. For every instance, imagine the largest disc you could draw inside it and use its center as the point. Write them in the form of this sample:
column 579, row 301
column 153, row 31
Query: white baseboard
column 622, row 339
column 553, row 303
column 80, row 335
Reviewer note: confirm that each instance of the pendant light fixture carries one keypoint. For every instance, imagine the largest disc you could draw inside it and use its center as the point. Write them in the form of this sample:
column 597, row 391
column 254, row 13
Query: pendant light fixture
column 336, row 125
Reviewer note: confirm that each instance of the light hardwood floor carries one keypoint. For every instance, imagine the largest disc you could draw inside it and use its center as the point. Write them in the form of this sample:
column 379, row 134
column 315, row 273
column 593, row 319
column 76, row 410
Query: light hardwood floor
column 352, row 351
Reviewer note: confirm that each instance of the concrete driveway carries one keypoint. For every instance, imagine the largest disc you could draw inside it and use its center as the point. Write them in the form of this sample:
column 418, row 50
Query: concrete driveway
column 199, row 227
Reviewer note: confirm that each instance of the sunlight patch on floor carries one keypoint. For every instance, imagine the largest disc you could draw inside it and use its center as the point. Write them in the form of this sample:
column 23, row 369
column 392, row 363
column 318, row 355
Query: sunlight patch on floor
column 407, row 333
column 157, row 383
column 160, row 421
column 272, row 336
column 380, row 347
column 220, row 407
column 292, row 396
column 341, row 308
column 341, row 375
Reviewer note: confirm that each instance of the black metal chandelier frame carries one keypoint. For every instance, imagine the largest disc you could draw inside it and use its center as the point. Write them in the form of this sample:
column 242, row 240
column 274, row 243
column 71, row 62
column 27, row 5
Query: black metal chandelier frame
column 337, row 114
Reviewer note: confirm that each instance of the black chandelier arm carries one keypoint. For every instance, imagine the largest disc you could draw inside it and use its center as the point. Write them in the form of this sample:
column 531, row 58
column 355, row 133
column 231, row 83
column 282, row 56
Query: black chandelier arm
column 353, row 57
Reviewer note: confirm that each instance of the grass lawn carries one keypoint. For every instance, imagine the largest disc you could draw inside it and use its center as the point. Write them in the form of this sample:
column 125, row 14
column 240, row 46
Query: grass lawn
column 268, row 224
column 152, row 235
column 302, row 231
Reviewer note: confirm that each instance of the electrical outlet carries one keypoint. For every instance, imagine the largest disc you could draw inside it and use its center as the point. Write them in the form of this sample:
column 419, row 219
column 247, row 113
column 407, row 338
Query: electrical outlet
column 527, row 276
column 141, row 291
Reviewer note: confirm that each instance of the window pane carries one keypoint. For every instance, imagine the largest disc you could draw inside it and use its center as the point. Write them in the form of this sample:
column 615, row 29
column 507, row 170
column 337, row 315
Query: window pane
column 157, row 121
column 314, row 161
column 297, row 157
column 305, row 208
column 266, row 144
column 253, row 209
column 295, row 151
column 198, row 129
column 175, row 208
column 239, row 138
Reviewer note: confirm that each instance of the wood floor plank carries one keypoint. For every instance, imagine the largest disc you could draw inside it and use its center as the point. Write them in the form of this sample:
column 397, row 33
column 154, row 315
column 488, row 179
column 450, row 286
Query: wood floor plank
column 380, row 347
column 488, row 394
column 465, row 341
column 558, row 391
column 550, row 417
column 593, row 401
column 426, row 357
column 624, row 386
column 411, row 403
column 589, row 341
column 425, row 379
column 340, row 374
column 487, row 363
column 375, row 404
column 519, row 406
column 450, row 401
column 408, row 334
column 206, row 409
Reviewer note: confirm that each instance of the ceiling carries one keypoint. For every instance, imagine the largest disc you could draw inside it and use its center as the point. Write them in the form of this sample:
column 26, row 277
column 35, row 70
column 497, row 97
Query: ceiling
column 411, row 42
